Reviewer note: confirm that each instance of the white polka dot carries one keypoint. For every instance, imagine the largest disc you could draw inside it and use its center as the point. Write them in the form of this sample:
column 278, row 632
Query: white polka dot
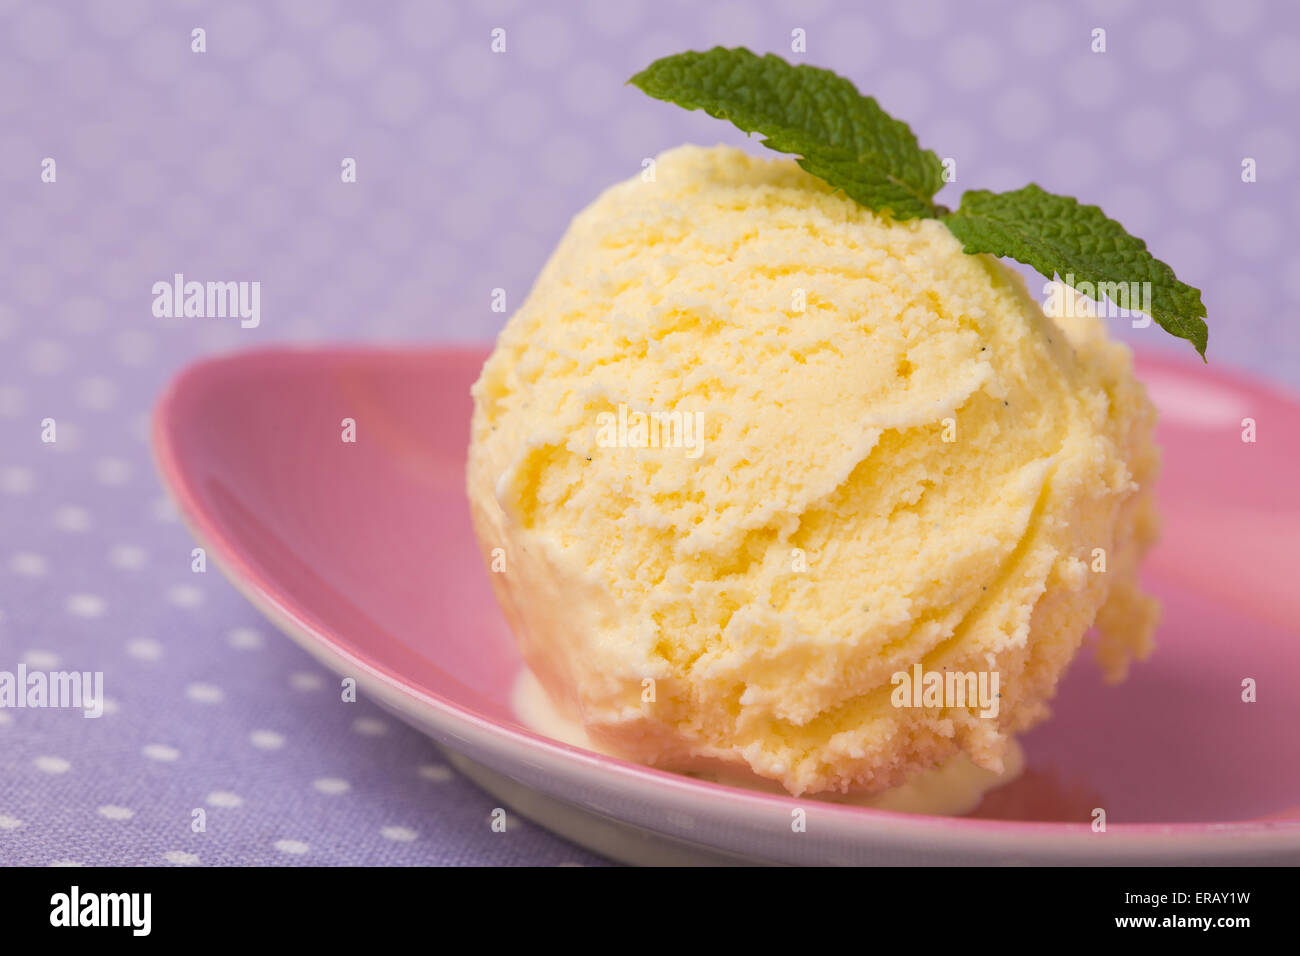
column 97, row 393
column 370, row 726
column 1092, row 84
column 587, row 89
column 204, row 694
column 160, row 752
column 28, row 564
column 12, row 401
column 1240, row 294
column 1253, row 231
column 306, row 681
column 308, row 14
column 41, row 660
column 1039, row 30
column 1292, row 268
column 1197, row 183
column 111, row 812
column 181, row 858
column 971, row 62
column 279, row 77
column 156, row 55
column 128, row 557
column 542, row 41
column 617, row 19
column 294, row 847
column 112, row 471
column 222, row 170
column 1187, row 252
column 117, row 18
column 1279, row 62
column 266, row 739
column 1216, row 99
column 99, row 145
column 41, row 32
column 111, row 706
column 1147, row 134
column 134, row 347
column 518, row 117
column 398, row 834
column 85, row 605
column 437, row 772
column 1135, row 207
column 842, row 44
column 241, row 28
column 16, row 480
column 1273, row 148
column 9, row 823
column 69, row 438
column 185, row 595
column 425, row 24
column 904, row 93
column 922, row 18
column 244, row 638
column 1164, row 44
column 565, row 160
column 52, row 764
column 144, row 649
column 1232, row 16
column 325, row 117
column 224, row 798
column 471, row 72
column 331, row 785
column 1021, row 114
column 5, row 719
column 953, row 136
column 399, row 95
column 351, row 50
column 71, row 518
column 46, row 357
column 1073, row 162
column 35, row 283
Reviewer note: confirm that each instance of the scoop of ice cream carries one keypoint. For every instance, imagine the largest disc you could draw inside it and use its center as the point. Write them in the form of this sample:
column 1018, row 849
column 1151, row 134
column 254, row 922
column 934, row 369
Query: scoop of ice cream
column 749, row 451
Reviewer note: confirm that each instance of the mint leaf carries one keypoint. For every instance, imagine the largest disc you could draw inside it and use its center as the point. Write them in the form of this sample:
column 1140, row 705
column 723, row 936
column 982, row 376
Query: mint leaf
column 838, row 134
column 847, row 140
column 1061, row 238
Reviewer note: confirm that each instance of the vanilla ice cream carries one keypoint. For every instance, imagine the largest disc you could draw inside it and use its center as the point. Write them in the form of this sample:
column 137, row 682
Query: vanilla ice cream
column 748, row 451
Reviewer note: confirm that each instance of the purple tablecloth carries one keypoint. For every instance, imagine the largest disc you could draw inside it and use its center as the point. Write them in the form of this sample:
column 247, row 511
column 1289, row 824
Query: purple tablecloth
column 225, row 165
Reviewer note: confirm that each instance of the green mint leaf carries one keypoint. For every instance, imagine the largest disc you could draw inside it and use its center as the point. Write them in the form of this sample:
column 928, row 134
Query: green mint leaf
column 1061, row 238
column 839, row 135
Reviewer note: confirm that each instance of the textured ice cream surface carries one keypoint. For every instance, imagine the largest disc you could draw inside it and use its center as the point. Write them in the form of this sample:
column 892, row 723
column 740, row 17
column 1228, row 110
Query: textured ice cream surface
column 902, row 460
column 952, row 789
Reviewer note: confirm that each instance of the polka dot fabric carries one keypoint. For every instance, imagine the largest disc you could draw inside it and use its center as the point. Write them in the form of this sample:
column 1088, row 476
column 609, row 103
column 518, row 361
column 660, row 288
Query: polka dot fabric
column 225, row 165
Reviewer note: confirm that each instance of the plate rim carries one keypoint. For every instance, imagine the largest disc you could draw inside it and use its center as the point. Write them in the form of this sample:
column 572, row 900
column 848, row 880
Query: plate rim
column 458, row 721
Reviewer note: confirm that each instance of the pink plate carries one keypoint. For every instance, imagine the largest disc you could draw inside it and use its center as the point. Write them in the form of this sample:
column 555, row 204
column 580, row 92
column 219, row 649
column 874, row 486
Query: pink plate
column 363, row 553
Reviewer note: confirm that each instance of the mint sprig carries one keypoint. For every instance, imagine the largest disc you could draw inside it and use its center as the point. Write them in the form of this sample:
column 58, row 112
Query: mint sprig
column 847, row 140
column 1059, row 236
column 840, row 135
